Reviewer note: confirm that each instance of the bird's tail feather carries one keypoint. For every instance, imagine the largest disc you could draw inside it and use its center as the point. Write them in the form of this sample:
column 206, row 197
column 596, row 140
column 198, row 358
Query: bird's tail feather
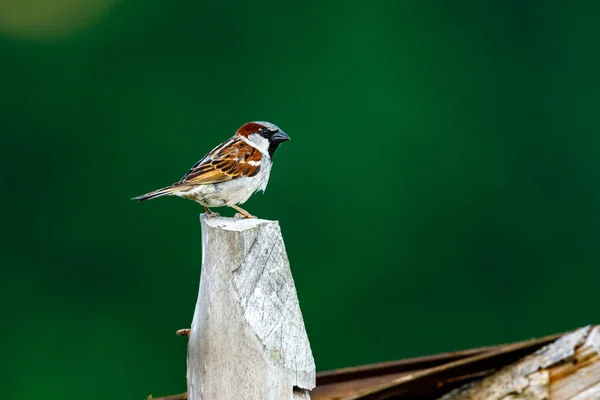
column 154, row 194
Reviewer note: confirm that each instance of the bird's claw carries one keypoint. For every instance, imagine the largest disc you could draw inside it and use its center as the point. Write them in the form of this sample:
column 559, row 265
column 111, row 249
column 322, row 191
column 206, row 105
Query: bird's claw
column 242, row 216
column 210, row 214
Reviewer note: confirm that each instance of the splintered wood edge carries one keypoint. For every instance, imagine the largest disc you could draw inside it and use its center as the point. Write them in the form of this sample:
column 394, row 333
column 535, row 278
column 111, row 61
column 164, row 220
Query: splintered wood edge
column 561, row 370
column 578, row 377
column 417, row 374
column 341, row 375
column 430, row 380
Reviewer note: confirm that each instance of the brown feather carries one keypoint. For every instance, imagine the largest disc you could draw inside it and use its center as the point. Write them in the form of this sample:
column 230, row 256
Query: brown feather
column 230, row 160
column 249, row 128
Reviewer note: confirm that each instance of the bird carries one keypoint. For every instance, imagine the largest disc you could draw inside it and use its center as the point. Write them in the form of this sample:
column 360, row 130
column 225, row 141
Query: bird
column 231, row 172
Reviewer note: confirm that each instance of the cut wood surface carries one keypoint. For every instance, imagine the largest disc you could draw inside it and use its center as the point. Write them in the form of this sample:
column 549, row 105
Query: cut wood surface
column 247, row 339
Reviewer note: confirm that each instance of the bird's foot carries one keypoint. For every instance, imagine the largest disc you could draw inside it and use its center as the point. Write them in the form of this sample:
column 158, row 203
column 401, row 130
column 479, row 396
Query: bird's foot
column 211, row 214
column 242, row 213
column 243, row 216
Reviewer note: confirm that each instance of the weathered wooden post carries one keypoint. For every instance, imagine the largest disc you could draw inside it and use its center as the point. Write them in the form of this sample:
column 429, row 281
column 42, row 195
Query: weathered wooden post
column 247, row 340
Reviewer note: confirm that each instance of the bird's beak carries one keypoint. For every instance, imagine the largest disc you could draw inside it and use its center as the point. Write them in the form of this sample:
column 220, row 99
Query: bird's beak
column 280, row 136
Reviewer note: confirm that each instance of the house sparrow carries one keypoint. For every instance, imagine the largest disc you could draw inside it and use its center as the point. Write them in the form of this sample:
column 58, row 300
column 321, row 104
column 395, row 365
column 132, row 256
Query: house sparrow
column 231, row 172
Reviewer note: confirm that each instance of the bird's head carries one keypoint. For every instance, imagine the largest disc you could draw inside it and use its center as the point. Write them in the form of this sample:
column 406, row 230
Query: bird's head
column 264, row 135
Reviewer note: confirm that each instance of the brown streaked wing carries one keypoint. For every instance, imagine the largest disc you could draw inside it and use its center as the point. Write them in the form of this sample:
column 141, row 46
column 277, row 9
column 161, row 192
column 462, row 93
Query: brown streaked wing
column 230, row 160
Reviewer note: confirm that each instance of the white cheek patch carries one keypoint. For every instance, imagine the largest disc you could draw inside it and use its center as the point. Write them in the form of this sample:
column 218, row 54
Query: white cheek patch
column 259, row 142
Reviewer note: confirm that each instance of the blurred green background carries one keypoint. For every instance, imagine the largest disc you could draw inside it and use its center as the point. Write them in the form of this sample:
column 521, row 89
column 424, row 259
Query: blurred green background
column 440, row 191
